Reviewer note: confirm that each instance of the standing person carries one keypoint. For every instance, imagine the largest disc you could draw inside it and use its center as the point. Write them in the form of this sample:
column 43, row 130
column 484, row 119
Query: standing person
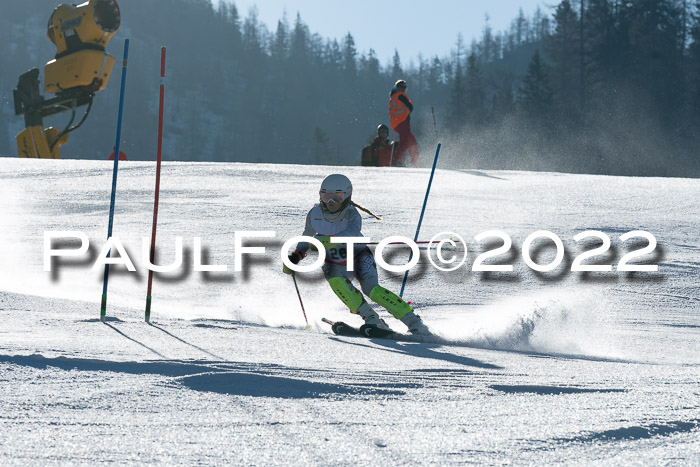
column 379, row 151
column 336, row 215
column 400, row 108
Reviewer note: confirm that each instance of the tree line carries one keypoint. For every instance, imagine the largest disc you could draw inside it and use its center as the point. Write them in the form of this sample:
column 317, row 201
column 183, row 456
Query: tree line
column 611, row 87
column 598, row 86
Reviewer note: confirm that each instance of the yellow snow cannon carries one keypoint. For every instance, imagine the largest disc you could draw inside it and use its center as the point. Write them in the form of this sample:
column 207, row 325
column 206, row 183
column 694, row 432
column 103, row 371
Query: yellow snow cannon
column 80, row 68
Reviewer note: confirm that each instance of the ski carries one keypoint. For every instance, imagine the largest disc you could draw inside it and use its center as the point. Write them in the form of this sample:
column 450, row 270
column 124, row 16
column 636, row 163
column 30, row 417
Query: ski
column 343, row 329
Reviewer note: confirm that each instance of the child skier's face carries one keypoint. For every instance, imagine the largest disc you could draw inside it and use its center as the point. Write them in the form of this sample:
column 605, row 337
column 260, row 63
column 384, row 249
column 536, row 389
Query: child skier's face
column 333, row 200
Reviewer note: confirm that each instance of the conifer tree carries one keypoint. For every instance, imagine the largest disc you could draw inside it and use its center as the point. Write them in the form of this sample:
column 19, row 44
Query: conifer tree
column 563, row 50
column 396, row 70
column 535, row 97
column 475, row 97
column 349, row 57
column 457, row 109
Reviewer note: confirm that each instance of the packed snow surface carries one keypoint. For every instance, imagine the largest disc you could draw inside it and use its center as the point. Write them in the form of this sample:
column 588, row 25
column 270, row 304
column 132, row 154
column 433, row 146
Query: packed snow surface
column 525, row 367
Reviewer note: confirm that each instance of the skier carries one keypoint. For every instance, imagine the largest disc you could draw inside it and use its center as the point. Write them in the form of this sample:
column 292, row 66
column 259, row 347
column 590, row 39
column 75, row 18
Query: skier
column 379, row 151
column 400, row 108
column 336, row 215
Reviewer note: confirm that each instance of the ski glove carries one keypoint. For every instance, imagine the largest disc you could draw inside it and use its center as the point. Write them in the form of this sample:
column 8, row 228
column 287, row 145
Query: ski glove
column 294, row 258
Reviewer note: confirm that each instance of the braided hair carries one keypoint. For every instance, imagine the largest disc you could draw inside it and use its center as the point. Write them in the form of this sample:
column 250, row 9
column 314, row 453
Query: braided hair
column 365, row 210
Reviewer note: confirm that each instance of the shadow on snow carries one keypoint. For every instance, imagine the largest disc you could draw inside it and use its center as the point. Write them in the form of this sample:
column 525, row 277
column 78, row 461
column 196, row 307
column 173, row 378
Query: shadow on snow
column 231, row 378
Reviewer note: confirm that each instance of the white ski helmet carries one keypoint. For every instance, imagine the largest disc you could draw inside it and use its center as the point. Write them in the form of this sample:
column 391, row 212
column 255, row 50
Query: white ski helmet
column 336, row 183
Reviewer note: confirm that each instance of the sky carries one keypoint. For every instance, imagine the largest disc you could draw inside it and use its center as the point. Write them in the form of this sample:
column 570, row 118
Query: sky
column 411, row 27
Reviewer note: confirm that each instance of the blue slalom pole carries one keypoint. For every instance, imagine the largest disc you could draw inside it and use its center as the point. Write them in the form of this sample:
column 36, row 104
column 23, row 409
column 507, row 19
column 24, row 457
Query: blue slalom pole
column 420, row 221
column 103, row 310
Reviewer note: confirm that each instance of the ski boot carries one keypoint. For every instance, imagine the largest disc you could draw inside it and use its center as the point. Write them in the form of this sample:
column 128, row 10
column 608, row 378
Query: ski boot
column 415, row 324
column 399, row 310
column 352, row 297
column 371, row 317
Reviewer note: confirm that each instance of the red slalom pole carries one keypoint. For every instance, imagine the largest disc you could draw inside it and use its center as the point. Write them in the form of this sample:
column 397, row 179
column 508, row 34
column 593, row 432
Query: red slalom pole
column 155, row 203
column 402, row 243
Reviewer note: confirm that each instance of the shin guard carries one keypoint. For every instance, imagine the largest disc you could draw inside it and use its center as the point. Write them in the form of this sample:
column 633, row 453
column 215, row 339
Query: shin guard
column 346, row 293
column 392, row 302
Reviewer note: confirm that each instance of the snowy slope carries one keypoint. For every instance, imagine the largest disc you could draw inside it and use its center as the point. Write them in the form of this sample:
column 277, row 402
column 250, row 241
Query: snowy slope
column 528, row 367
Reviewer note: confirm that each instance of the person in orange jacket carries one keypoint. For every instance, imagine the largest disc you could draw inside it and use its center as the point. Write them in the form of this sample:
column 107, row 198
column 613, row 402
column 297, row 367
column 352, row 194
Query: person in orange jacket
column 400, row 108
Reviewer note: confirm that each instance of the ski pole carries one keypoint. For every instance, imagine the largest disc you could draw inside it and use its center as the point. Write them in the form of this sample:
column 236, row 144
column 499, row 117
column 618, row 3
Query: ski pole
column 308, row 326
column 420, row 221
column 103, row 308
column 157, row 190
column 432, row 109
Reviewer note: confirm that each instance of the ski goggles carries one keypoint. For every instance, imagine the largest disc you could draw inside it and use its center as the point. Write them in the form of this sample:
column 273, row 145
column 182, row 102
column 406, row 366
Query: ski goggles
column 337, row 196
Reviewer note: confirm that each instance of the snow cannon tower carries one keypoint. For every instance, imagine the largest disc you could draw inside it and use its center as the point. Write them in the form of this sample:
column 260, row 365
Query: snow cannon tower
column 80, row 68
